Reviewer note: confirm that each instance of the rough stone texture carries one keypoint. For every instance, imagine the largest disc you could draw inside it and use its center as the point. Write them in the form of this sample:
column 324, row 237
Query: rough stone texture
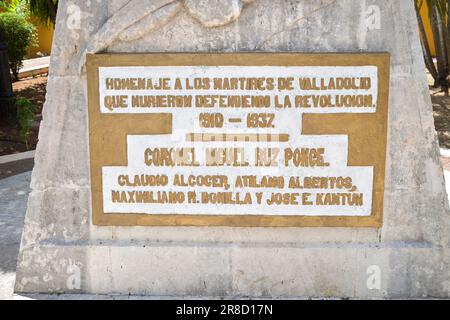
column 67, row 133
column 214, row 13
column 151, row 22
column 126, row 16
column 63, row 252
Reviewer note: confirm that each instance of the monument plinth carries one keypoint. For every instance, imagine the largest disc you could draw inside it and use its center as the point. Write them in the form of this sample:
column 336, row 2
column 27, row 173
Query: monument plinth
column 240, row 149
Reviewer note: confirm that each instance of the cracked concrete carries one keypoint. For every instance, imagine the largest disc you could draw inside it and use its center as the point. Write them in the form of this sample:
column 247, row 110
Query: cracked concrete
column 295, row 23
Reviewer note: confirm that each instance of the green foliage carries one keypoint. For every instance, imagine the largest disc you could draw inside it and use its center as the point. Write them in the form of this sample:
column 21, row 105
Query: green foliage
column 44, row 10
column 19, row 34
column 19, row 7
column 440, row 25
column 25, row 117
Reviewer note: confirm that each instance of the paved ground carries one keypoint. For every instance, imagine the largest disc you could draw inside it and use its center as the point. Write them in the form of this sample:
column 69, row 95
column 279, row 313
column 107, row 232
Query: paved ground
column 13, row 199
column 32, row 67
column 35, row 63
column 9, row 170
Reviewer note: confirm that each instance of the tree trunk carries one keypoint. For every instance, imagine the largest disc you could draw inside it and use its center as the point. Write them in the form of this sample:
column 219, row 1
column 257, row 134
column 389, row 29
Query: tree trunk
column 439, row 41
column 15, row 75
column 447, row 30
column 52, row 11
column 426, row 47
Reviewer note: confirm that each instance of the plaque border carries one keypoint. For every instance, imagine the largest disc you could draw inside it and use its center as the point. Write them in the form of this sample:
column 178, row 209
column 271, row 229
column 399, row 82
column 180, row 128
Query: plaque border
column 108, row 135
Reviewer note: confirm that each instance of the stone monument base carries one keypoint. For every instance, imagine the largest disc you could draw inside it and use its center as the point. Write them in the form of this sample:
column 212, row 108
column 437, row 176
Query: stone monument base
column 63, row 251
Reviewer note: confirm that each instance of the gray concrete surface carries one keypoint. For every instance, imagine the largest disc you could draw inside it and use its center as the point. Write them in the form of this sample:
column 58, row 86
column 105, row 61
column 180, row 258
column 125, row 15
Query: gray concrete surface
column 13, row 202
column 62, row 251
column 32, row 67
column 17, row 157
column 36, row 63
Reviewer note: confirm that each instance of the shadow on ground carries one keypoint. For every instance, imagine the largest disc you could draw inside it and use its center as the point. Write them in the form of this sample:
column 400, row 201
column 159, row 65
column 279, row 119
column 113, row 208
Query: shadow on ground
column 441, row 113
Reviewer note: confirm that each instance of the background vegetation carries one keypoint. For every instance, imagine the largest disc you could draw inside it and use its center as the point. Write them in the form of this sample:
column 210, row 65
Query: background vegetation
column 440, row 23
column 18, row 34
